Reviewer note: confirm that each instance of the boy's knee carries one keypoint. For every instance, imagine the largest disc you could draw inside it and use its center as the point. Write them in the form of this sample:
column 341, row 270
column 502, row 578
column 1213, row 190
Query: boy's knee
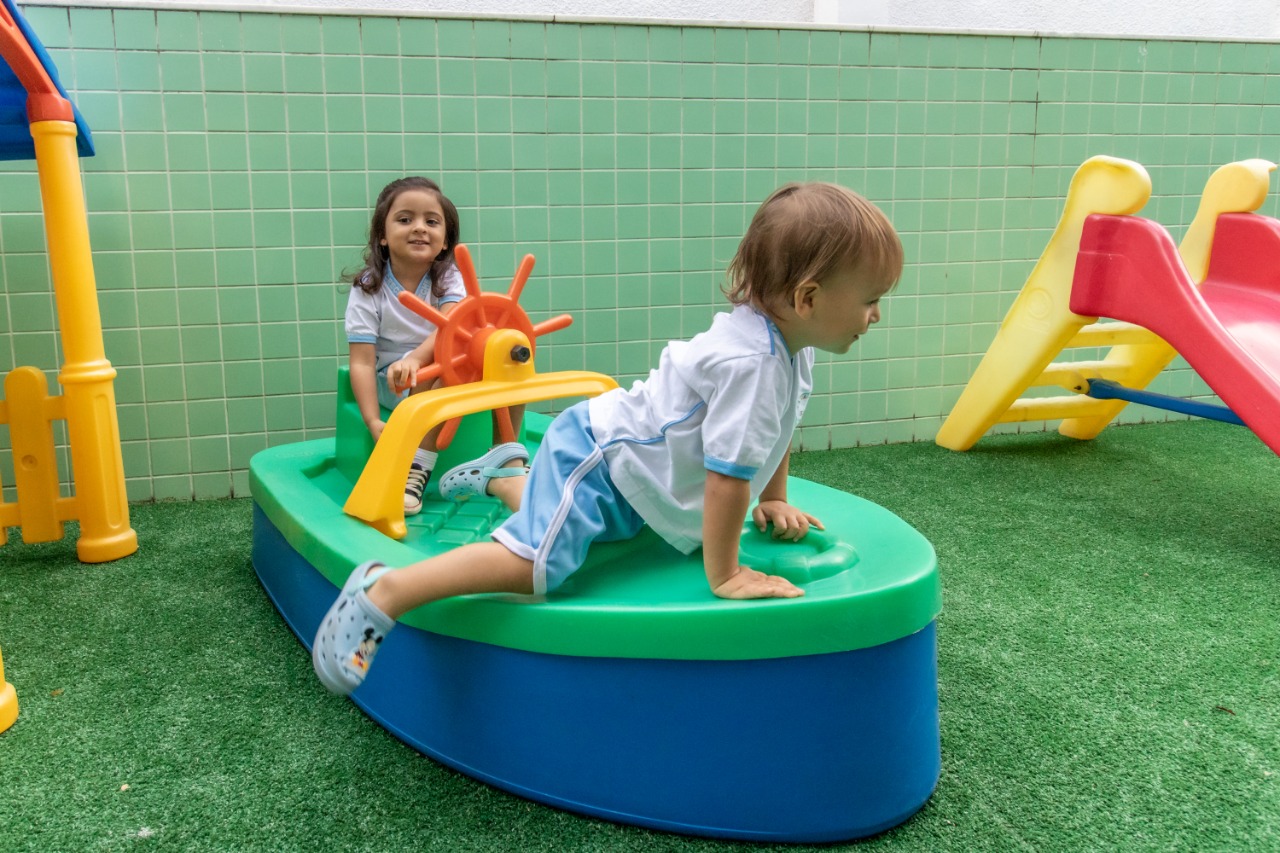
column 517, row 571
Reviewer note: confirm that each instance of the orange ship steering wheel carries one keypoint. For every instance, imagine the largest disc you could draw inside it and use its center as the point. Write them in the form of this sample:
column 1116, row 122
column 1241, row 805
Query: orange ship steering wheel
column 461, row 334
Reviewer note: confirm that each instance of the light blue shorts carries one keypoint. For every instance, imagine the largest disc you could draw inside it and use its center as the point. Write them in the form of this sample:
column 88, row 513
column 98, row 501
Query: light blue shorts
column 569, row 502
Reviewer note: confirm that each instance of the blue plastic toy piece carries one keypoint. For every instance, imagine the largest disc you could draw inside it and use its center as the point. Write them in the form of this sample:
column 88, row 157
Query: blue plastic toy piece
column 15, row 135
column 1105, row 389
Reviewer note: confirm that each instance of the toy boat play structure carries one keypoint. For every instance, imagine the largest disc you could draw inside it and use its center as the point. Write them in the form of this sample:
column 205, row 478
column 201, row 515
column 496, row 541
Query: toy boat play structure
column 631, row 693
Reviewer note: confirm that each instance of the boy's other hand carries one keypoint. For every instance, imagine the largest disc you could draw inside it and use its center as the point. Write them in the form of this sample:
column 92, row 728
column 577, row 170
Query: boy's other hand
column 788, row 522
column 749, row 583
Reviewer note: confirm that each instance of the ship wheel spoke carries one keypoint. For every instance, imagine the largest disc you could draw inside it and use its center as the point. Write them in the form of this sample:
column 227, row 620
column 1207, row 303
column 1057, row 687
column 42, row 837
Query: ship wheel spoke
column 476, row 315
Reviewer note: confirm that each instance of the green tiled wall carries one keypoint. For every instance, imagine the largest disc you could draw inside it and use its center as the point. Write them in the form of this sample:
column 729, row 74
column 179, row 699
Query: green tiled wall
column 239, row 154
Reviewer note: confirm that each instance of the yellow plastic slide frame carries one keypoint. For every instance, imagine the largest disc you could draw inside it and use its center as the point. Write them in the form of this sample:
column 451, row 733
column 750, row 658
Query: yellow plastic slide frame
column 1234, row 188
column 1040, row 324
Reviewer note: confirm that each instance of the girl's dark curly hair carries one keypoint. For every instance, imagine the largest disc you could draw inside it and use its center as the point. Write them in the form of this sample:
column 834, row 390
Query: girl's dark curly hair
column 369, row 277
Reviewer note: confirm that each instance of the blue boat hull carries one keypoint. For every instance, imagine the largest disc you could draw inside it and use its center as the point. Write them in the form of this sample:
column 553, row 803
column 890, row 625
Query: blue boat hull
column 811, row 748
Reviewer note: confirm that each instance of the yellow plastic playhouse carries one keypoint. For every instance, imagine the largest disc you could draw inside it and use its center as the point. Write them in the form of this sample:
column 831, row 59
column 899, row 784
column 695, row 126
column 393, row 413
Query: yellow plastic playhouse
column 38, row 122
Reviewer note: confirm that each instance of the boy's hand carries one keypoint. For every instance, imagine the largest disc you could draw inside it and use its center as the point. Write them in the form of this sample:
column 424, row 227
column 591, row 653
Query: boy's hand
column 788, row 522
column 748, row 583
column 403, row 373
column 376, row 426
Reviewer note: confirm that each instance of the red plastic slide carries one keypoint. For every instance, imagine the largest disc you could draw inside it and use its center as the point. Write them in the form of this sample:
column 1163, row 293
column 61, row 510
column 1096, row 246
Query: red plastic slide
column 1228, row 329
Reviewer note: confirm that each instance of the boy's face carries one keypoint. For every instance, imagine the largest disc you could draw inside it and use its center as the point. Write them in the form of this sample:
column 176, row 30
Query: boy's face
column 842, row 309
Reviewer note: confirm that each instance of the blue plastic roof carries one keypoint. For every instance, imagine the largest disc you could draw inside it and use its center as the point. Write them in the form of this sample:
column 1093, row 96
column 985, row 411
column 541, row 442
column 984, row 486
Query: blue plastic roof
column 15, row 133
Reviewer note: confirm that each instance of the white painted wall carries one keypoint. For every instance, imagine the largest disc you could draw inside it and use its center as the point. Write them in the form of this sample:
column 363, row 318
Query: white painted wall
column 1212, row 19
column 737, row 11
column 1247, row 19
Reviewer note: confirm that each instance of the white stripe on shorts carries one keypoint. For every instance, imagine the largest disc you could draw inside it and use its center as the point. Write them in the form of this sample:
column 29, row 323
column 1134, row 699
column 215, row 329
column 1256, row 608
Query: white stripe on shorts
column 558, row 519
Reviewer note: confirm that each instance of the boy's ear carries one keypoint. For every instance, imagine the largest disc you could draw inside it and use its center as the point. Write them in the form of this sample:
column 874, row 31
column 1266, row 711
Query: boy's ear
column 804, row 296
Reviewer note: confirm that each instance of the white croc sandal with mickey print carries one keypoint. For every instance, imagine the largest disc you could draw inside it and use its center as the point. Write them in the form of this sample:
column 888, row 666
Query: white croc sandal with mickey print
column 470, row 479
column 351, row 632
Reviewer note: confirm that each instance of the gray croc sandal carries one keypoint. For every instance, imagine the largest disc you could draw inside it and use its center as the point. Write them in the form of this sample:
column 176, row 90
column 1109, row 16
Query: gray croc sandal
column 470, row 479
column 350, row 632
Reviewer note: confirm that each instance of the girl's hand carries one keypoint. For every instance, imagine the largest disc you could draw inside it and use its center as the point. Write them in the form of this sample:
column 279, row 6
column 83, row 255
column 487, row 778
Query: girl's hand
column 788, row 522
column 748, row 583
column 376, row 426
column 403, row 373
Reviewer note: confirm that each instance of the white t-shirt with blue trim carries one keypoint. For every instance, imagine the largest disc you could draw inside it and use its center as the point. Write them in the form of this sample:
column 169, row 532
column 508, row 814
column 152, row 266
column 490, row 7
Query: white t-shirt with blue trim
column 728, row 401
column 394, row 330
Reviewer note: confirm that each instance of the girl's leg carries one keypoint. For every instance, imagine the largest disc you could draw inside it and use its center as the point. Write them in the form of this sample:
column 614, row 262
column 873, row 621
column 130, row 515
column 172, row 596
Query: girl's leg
column 516, row 413
column 424, row 462
column 429, row 440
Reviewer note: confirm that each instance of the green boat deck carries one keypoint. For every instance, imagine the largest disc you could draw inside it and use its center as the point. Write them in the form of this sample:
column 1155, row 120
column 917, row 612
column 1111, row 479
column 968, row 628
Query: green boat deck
column 870, row 579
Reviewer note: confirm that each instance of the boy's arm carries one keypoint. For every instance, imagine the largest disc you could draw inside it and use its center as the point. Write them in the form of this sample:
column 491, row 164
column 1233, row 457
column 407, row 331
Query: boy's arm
column 364, row 386
column 788, row 522
column 725, row 506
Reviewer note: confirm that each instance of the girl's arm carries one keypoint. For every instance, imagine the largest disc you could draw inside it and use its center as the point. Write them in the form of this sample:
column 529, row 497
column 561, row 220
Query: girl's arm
column 788, row 522
column 404, row 373
column 364, row 386
column 725, row 506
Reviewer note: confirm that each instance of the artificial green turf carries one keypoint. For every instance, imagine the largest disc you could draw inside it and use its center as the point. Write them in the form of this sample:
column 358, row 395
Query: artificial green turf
column 1108, row 668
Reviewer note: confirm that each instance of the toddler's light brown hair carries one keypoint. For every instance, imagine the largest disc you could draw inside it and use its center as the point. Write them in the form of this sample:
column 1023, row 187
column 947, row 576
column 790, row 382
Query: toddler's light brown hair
column 804, row 232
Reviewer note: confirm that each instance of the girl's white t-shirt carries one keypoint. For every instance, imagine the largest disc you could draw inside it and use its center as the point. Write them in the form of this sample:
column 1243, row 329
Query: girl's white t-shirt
column 393, row 329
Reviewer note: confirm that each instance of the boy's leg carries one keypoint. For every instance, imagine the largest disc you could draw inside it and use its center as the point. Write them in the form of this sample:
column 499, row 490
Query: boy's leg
column 350, row 633
column 487, row 475
column 569, row 501
column 509, row 489
column 479, row 567
column 374, row 597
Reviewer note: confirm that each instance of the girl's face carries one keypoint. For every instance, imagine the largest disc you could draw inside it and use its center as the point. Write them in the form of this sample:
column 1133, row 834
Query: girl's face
column 414, row 233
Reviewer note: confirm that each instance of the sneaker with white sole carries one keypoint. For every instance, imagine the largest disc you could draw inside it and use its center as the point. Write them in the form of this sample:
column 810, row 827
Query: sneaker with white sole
column 414, row 487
